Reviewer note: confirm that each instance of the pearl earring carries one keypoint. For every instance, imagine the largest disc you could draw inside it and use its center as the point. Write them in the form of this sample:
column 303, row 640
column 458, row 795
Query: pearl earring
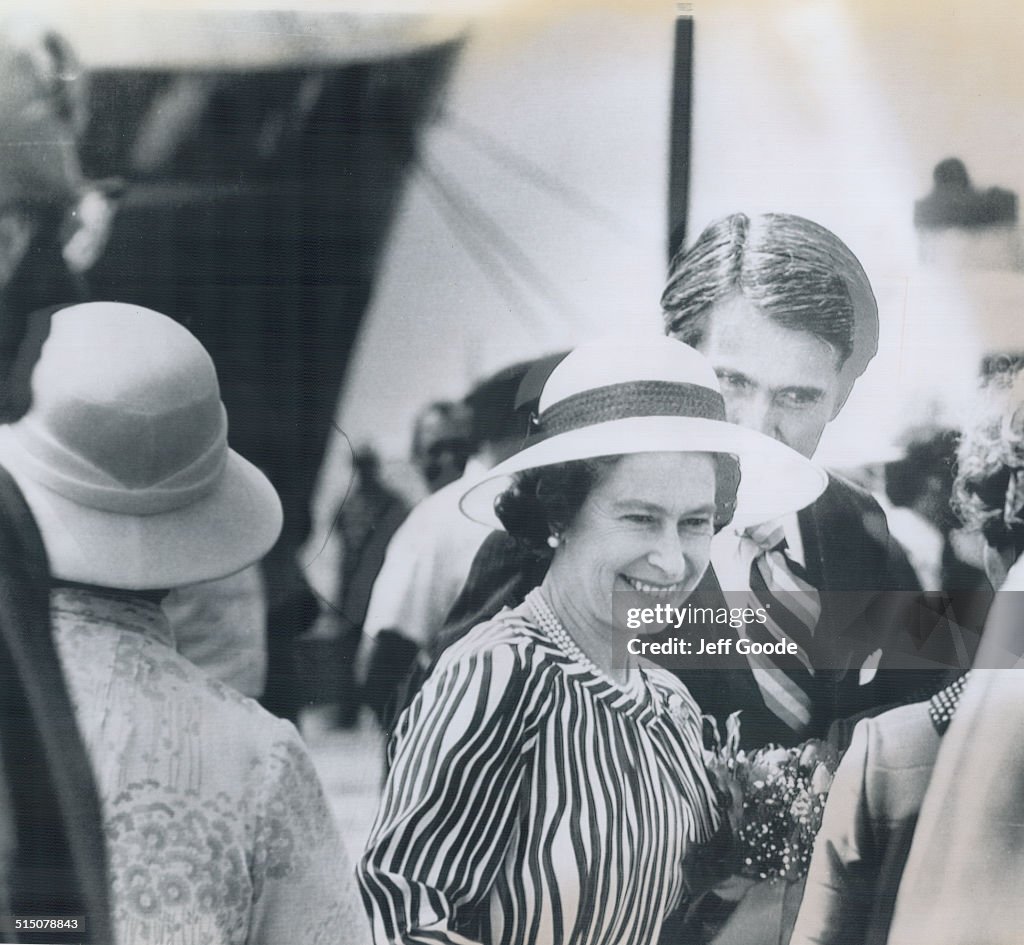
column 554, row 541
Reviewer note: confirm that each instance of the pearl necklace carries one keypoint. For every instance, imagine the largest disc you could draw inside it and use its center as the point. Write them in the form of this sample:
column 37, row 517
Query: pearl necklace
column 557, row 634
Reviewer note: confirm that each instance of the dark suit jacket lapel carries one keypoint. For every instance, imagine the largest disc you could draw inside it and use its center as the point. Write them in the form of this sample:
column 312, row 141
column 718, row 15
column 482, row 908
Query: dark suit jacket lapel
column 814, row 548
column 837, row 560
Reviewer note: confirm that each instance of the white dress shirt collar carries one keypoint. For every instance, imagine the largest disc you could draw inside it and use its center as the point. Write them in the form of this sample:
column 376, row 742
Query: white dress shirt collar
column 731, row 557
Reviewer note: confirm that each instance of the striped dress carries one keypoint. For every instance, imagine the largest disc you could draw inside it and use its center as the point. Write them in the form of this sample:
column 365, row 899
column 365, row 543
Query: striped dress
column 531, row 800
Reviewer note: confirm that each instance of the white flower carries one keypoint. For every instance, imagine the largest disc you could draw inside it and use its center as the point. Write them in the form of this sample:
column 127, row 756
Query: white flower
column 800, row 808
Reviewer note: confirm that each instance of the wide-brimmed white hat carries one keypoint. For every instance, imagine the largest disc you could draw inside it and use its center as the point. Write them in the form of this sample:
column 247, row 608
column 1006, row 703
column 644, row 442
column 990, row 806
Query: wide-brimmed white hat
column 123, row 456
column 616, row 397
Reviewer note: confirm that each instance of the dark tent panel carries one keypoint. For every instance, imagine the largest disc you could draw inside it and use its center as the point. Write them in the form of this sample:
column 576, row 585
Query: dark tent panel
column 256, row 210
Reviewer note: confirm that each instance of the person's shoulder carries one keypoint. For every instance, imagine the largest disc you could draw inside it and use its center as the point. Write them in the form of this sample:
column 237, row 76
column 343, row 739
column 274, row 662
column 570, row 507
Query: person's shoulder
column 844, row 496
column 848, row 513
column 246, row 739
column 441, row 503
column 509, row 638
column 997, row 694
column 219, row 724
column 901, row 738
column 229, row 705
column 892, row 757
column 437, row 520
column 416, row 524
column 174, row 679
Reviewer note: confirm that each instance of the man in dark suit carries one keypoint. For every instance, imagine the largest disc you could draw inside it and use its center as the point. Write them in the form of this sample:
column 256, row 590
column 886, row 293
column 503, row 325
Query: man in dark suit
column 786, row 315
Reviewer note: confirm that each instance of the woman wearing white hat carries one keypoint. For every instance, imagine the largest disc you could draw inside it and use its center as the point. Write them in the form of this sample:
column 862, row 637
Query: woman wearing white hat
column 545, row 785
column 216, row 824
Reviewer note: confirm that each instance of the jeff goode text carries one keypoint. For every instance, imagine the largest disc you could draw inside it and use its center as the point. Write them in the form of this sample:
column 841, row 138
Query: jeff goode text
column 724, row 647
column 665, row 615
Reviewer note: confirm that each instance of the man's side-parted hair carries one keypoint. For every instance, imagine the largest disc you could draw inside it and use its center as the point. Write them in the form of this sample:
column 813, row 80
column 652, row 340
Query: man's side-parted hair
column 799, row 274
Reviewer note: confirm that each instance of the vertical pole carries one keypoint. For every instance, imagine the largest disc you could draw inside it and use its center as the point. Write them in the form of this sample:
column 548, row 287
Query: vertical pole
column 679, row 131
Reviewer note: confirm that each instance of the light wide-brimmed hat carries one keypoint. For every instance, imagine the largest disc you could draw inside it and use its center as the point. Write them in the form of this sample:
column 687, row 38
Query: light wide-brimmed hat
column 617, row 397
column 123, row 456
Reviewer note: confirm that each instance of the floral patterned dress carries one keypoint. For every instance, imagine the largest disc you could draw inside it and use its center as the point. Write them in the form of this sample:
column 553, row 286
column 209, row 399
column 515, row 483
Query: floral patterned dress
column 216, row 825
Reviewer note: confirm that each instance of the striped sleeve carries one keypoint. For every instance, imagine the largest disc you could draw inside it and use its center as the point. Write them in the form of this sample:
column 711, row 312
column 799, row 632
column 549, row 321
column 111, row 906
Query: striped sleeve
column 449, row 806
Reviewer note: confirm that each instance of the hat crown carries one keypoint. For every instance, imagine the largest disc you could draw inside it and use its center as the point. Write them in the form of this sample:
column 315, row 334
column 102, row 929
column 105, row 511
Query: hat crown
column 610, row 362
column 123, row 456
column 126, row 411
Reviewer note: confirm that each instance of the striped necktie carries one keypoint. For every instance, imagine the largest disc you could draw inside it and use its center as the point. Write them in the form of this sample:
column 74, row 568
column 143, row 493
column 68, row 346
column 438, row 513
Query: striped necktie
column 793, row 608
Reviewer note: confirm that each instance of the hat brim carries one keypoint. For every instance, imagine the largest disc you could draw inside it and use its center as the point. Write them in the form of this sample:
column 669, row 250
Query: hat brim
column 233, row 526
column 775, row 479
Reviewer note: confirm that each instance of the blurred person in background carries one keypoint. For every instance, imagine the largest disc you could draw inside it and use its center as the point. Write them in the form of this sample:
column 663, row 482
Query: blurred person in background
column 921, row 488
column 955, row 201
column 216, row 825
column 41, row 114
column 369, row 516
column 442, row 442
column 367, row 519
column 922, row 481
column 920, row 539
column 431, row 553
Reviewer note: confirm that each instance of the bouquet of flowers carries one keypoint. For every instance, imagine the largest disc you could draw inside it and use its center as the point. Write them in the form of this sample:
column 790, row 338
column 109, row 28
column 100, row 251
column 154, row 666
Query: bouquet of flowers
column 778, row 799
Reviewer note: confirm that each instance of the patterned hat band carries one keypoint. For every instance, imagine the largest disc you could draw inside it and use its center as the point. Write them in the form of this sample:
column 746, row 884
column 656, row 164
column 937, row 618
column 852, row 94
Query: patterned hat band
column 624, row 401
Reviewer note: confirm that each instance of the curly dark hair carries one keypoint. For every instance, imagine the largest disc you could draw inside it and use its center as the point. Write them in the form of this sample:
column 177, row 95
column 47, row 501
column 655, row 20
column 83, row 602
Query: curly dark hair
column 545, row 501
column 988, row 493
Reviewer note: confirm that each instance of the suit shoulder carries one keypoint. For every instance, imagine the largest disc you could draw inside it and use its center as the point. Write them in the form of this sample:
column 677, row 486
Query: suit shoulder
column 900, row 747
column 842, row 494
column 902, row 738
column 849, row 512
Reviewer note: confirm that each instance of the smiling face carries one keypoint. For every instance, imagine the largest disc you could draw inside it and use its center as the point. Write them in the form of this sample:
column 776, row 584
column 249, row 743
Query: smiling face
column 645, row 526
column 775, row 380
